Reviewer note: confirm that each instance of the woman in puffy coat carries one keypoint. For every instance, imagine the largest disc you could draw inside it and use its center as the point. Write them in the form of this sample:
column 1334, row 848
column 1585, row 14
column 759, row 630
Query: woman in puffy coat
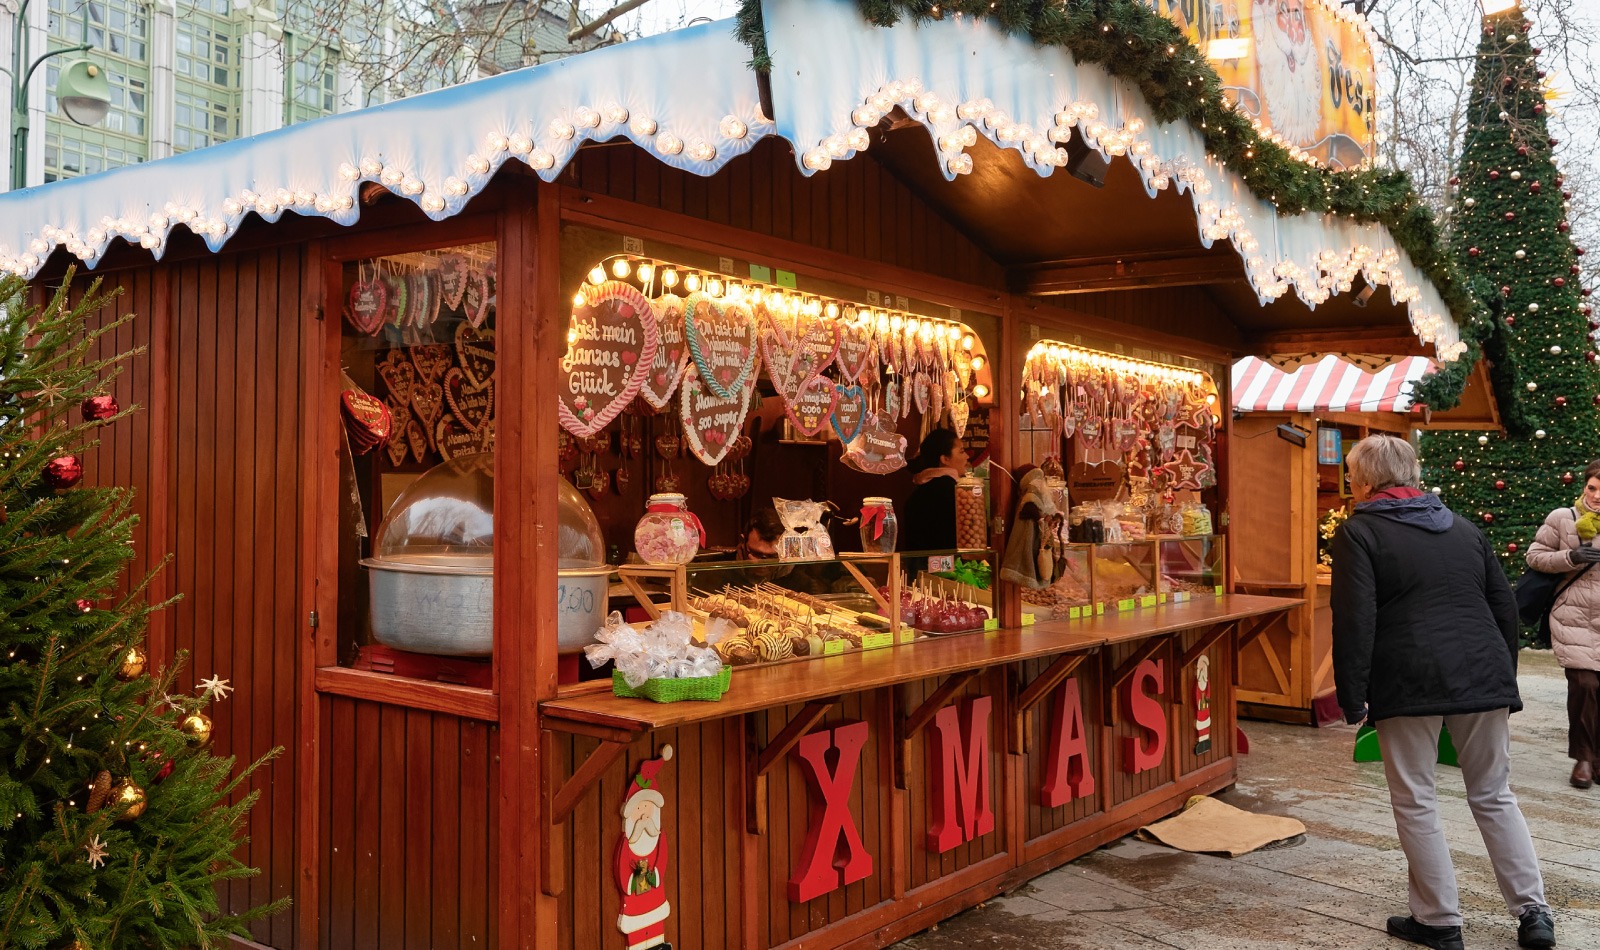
column 1566, row 545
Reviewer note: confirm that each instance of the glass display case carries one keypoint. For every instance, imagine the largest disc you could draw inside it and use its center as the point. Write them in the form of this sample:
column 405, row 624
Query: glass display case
column 1193, row 567
column 1125, row 576
column 1071, row 592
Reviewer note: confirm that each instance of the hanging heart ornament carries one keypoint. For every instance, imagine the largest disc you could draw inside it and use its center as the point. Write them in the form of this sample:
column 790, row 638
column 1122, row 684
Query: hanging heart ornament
column 672, row 351
column 611, row 340
column 722, row 341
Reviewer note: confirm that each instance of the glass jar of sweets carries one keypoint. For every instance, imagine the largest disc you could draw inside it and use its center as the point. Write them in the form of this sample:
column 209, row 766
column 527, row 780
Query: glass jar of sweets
column 668, row 533
column 880, row 529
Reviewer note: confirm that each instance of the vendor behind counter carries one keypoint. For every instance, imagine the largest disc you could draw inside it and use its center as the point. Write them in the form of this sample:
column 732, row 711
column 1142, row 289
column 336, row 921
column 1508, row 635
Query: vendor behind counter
column 928, row 517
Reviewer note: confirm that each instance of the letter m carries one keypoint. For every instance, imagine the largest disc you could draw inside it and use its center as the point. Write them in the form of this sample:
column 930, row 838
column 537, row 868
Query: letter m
column 961, row 800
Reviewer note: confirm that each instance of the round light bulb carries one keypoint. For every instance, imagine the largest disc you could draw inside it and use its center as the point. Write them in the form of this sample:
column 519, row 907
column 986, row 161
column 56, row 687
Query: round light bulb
column 832, row 310
column 692, row 283
column 714, row 287
column 669, row 278
column 646, row 272
column 597, row 276
column 980, row 390
column 620, row 268
column 977, row 363
column 967, row 342
column 577, row 301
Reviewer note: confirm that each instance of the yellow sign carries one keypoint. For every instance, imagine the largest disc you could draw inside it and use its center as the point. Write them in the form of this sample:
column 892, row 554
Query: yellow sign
column 1299, row 68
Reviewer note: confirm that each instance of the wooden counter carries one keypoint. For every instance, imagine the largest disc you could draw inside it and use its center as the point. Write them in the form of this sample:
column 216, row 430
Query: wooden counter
column 764, row 687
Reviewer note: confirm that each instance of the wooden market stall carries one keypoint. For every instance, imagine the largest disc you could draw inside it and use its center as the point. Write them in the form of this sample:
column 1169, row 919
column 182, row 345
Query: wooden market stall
column 490, row 267
column 1292, row 427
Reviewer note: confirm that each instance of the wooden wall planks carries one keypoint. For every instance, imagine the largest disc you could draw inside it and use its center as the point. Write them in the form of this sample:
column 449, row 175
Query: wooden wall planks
column 407, row 858
column 857, row 207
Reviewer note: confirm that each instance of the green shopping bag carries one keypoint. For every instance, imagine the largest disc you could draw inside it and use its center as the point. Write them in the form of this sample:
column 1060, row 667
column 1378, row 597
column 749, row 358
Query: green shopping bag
column 1368, row 750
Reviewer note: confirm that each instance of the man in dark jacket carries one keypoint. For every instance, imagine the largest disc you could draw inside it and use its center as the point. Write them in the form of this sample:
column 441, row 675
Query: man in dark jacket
column 1425, row 636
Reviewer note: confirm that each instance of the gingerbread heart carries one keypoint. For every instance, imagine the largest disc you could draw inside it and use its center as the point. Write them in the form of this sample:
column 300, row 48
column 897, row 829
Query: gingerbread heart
column 428, row 403
column 455, row 440
column 711, row 423
column 417, row 439
column 857, row 352
column 722, row 341
column 431, row 362
column 475, row 298
column 672, row 351
column 475, row 352
column 470, row 403
column 879, row 449
column 960, row 410
column 849, row 412
column 369, row 301
column 813, row 405
column 399, row 377
column 399, row 446
column 611, row 342
column 452, row 279
column 395, row 309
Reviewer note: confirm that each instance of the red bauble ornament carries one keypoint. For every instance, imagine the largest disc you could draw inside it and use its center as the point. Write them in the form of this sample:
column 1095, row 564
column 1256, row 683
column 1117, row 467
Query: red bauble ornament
column 98, row 408
column 1522, row 150
column 1511, row 547
column 63, row 472
column 1553, row 142
column 1561, row 400
column 1590, row 356
column 1565, row 195
column 1573, row 270
column 1511, row 216
column 1566, row 478
column 1563, row 227
column 1461, row 466
column 1473, row 252
column 1499, row 485
column 1578, row 251
column 1511, row 321
column 1494, row 174
column 1455, row 179
column 1538, row 108
column 1560, row 282
column 1597, row 399
column 1488, row 517
column 84, row 606
column 1505, row 290
column 1535, row 187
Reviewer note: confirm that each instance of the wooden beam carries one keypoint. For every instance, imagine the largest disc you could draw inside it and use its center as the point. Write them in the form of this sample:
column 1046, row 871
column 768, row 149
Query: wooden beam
column 1258, row 626
column 583, row 778
column 1124, row 272
column 1207, row 641
column 762, row 761
column 1116, row 678
column 1029, row 696
column 1391, row 340
column 908, row 726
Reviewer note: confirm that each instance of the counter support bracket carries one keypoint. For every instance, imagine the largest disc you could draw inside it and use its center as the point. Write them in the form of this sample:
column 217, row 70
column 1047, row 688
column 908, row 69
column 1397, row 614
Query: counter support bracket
column 907, row 727
column 764, row 760
column 1146, row 650
column 1032, row 694
column 1258, row 626
column 1207, row 640
column 561, row 798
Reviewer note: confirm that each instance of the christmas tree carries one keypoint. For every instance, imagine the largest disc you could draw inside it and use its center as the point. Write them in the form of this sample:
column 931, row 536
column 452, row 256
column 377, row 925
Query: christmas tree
column 116, row 822
column 1510, row 223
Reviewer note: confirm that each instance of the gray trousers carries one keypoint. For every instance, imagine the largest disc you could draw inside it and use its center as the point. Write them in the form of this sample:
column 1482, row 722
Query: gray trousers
column 1483, row 747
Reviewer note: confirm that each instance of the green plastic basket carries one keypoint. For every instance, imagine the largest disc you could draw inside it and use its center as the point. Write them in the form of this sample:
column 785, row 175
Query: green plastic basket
column 704, row 688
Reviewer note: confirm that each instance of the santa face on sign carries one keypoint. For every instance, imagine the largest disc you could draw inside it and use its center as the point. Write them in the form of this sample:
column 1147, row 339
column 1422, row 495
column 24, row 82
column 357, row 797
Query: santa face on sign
column 1289, row 69
column 642, row 859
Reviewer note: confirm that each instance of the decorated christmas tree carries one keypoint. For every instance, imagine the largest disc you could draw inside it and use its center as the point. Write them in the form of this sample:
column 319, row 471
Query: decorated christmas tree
column 116, row 822
column 1511, row 236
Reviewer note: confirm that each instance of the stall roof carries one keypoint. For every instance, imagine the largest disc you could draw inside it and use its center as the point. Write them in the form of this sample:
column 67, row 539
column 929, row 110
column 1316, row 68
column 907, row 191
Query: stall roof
column 993, row 106
column 1328, row 385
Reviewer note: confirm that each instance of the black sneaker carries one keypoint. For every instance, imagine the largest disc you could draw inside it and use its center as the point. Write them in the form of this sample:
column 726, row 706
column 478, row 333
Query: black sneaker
column 1439, row 938
column 1536, row 929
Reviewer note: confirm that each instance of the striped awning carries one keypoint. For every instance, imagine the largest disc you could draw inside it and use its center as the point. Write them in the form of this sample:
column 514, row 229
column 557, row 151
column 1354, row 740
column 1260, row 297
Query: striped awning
column 1328, row 385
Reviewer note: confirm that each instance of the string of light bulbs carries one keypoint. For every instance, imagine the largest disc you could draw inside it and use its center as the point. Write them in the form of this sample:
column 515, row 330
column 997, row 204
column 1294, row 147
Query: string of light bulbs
column 1082, row 356
column 656, row 277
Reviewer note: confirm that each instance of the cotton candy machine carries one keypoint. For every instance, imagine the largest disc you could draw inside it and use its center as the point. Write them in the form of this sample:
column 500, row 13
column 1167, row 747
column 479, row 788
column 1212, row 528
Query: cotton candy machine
column 432, row 569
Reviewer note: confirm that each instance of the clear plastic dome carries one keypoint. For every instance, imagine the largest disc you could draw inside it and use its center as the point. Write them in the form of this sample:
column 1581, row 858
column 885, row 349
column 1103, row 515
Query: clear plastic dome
column 579, row 542
column 448, row 515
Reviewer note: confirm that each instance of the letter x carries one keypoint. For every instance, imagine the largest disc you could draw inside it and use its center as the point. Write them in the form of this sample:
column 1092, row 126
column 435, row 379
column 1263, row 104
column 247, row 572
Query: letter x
column 822, row 867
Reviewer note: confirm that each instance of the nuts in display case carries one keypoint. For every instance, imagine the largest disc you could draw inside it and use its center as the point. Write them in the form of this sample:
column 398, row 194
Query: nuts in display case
column 1124, row 572
column 972, row 529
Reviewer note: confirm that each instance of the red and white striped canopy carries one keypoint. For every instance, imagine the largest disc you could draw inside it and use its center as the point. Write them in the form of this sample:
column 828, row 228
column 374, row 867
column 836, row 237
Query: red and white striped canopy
column 1328, row 385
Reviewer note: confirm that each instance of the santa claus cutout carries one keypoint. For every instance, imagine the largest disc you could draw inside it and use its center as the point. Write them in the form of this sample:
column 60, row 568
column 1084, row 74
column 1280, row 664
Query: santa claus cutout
column 642, row 859
column 1202, row 705
column 1289, row 68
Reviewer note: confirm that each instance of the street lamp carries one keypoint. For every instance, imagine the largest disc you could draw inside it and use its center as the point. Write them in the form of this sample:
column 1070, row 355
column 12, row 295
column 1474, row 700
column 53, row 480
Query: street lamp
column 81, row 90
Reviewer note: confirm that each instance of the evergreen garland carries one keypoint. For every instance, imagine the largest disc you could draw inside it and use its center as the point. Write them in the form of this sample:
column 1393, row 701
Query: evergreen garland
column 1134, row 43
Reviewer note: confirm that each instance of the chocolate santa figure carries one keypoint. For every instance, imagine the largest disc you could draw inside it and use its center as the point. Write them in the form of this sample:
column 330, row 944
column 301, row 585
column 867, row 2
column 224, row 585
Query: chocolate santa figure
column 641, row 860
column 1202, row 705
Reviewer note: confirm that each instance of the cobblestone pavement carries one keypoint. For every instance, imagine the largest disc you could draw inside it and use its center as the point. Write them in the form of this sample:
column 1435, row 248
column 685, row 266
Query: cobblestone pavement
column 1337, row 887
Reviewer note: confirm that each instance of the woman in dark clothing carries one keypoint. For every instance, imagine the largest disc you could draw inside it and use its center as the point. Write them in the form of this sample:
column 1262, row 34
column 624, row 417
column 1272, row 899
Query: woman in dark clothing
column 1424, row 636
column 928, row 518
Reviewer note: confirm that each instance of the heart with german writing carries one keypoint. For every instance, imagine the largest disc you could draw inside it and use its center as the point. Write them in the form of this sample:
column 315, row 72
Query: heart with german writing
column 455, row 440
column 428, row 403
column 452, row 279
column 369, row 301
column 722, row 341
column 431, row 362
column 960, row 410
column 417, row 439
column 475, row 297
column 399, row 377
column 611, row 341
column 475, row 352
column 472, row 404
column 849, row 411
column 711, row 423
column 857, row 353
column 397, row 446
column 672, row 351
column 813, row 405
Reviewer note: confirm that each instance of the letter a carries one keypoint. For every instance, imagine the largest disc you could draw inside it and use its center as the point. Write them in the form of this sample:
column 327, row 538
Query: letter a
column 960, row 794
column 821, row 869
column 1066, row 771
column 1144, row 752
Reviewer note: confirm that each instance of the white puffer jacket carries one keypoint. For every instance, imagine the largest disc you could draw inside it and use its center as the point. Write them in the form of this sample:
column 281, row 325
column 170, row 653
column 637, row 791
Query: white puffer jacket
column 1575, row 618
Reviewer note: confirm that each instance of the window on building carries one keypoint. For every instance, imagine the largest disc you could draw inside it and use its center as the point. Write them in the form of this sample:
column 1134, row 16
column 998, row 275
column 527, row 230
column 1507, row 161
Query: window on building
column 206, row 78
column 120, row 33
column 313, row 79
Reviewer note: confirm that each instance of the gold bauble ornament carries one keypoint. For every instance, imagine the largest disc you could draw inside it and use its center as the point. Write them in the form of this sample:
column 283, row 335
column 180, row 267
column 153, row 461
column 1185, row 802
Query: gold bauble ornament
column 128, row 800
column 77, row 945
column 132, row 664
column 197, row 726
